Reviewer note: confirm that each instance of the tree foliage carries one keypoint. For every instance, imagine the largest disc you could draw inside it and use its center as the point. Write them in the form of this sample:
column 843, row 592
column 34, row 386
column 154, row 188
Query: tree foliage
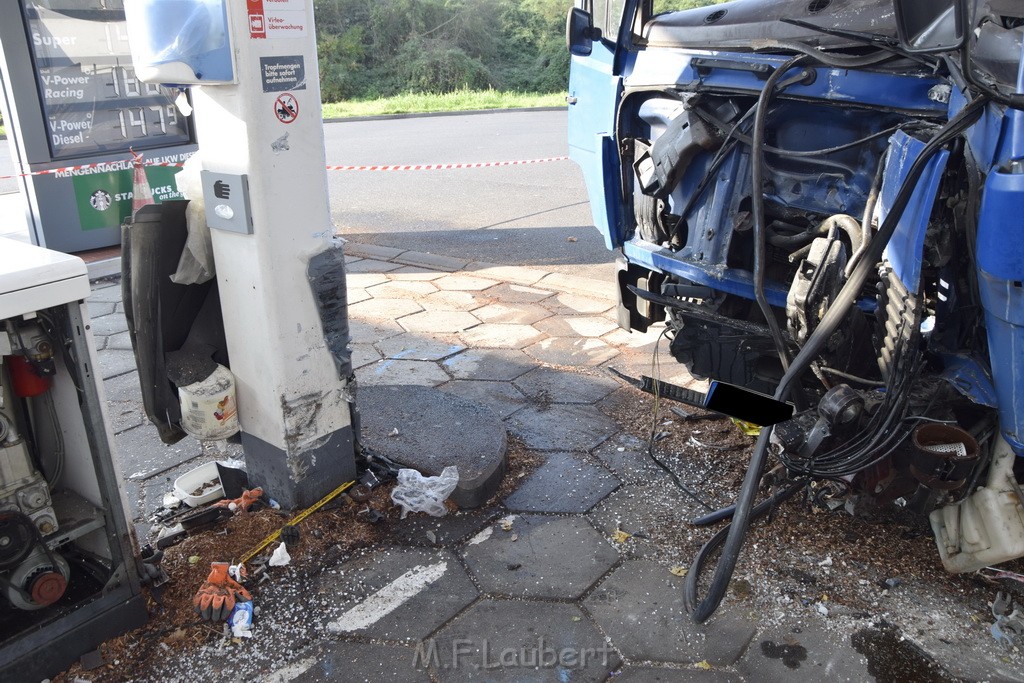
column 374, row 48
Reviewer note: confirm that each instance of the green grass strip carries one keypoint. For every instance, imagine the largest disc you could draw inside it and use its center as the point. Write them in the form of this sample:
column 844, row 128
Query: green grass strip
column 460, row 100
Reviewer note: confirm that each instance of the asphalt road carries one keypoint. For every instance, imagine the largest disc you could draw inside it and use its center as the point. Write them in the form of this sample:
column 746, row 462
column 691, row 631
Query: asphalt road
column 532, row 215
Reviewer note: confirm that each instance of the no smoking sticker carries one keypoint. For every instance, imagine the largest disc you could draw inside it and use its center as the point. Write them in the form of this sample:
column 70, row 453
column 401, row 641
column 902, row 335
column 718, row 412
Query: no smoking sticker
column 286, row 108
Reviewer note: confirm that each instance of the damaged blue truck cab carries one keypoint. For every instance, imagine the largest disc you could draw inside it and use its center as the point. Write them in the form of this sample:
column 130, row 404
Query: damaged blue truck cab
column 824, row 201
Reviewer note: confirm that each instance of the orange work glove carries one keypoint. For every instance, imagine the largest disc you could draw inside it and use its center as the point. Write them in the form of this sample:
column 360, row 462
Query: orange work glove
column 216, row 598
column 241, row 504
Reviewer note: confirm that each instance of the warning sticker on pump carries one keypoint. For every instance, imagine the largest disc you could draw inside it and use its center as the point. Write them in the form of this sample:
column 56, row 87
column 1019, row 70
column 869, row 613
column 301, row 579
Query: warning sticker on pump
column 286, row 108
column 281, row 74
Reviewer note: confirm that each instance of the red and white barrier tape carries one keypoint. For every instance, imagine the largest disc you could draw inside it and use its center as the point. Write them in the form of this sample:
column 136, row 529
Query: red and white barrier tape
column 393, row 167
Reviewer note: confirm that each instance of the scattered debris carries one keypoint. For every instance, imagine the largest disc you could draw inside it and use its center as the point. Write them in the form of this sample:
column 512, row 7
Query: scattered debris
column 1008, row 629
column 216, row 598
column 678, row 570
column 620, row 536
column 280, row 557
column 416, row 493
column 241, row 620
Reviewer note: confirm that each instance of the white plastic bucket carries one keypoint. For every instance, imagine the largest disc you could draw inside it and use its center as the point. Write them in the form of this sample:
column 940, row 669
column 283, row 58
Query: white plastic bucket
column 208, row 408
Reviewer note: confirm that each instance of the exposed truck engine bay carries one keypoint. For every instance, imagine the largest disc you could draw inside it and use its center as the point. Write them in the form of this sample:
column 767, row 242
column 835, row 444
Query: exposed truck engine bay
column 822, row 213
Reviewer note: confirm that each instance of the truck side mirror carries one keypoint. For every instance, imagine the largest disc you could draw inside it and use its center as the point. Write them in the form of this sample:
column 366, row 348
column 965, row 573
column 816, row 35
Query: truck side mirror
column 580, row 32
column 930, row 25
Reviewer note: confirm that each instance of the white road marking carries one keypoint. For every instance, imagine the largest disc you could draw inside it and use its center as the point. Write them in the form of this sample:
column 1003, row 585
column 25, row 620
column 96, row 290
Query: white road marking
column 388, row 599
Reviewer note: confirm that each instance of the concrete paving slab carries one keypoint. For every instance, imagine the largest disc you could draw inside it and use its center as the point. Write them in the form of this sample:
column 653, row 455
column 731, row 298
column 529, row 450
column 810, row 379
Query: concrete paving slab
column 364, row 280
column 561, row 427
column 107, row 325
column 370, row 266
column 100, row 308
column 501, row 641
column 397, row 594
column 452, row 529
column 572, row 351
column 489, row 364
column 453, row 301
column 122, row 341
column 433, row 261
column 518, row 294
column 398, row 289
column 141, row 454
column 356, row 295
column 562, row 386
column 626, row 456
column 110, row 292
column 539, row 557
column 369, row 332
column 640, row 607
column 359, row 662
column 650, row 674
column 501, row 397
column 565, row 303
column 566, row 482
column 123, row 388
column 512, row 274
column 805, row 652
column 364, row 354
column 405, row 372
column 651, row 513
column 113, row 363
column 501, row 336
column 125, row 415
column 522, row 314
column 388, row 309
column 576, row 326
column 439, row 321
column 437, row 429
column 465, row 283
column 415, row 273
column 418, row 347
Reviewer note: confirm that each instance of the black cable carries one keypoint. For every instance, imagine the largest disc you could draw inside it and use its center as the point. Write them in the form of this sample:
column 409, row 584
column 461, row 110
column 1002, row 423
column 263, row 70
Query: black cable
column 828, row 325
column 757, row 205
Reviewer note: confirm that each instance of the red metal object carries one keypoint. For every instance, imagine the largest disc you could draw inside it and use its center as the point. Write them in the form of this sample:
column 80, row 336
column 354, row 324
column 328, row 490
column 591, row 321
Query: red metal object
column 24, row 379
column 48, row 588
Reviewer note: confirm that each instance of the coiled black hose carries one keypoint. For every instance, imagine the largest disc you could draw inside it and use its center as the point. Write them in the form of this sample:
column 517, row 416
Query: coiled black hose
column 742, row 516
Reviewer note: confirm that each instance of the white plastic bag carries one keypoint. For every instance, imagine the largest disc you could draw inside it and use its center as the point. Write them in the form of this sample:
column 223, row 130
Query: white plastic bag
column 416, row 493
column 196, row 263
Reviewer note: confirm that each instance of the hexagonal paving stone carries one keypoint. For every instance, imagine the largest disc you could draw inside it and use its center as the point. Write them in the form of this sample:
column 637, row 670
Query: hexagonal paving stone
column 576, row 304
column 123, row 388
column 640, row 342
column 122, row 341
column 566, row 482
column 788, row 652
column 421, row 373
column 627, row 457
column 438, row 321
column 109, row 324
column 572, row 351
column 388, row 309
column 516, row 294
column 636, row 363
column 364, row 354
column 394, row 594
column 512, row 641
column 399, row 289
column 501, row 336
column 100, row 308
column 113, row 363
column 357, row 295
column 357, row 662
column 465, row 283
column 657, row 516
column 561, row 427
column 415, row 273
column 576, row 325
column 640, row 607
column 141, row 454
column 501, row 397
column 452, row 301
column 522, row 314
column 370, row 266
column 540, row 557
column 364, row 280
column 417, row 347
column 650, row 674
column 489, row 364
column 108, row 292
column 453, row 528
column 563, row 386
column 371, row 331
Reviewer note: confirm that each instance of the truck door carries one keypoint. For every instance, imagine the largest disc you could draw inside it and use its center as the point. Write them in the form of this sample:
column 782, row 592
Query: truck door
column 595, row 86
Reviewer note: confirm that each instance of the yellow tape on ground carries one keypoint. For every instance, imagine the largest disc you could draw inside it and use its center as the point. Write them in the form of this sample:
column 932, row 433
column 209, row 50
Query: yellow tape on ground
column 295, row 520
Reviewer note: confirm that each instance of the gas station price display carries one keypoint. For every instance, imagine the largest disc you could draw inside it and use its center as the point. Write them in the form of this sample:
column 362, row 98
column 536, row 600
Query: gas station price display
column 92, row 101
